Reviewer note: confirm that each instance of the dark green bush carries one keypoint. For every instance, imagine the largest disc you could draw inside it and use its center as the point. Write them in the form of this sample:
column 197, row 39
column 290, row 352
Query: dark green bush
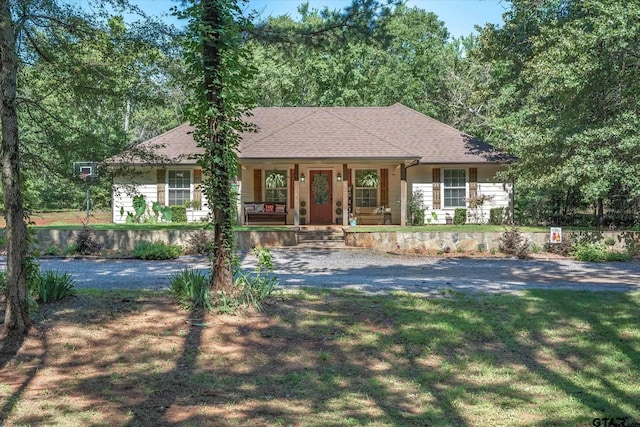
column 596, row 252
column 178, row 214
column 52, row 251
column 53, row 286
column 618, row 257
column 496, row 216
column 460, row 216
column 156, row 250
column 3, row 283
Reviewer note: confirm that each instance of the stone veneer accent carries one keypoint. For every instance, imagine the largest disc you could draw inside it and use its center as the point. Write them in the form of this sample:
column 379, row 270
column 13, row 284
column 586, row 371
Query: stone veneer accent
column 434, row 241
column 125, row 240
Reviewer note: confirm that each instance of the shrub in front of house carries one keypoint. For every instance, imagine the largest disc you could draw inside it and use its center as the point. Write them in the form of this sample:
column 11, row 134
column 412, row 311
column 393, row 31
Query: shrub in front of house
column 156, row 250
column 460, row 216
column 496, row 216
column 85, row 243
column 200, row 242
column 512, row 242
column 178, row 213
column 596, row 252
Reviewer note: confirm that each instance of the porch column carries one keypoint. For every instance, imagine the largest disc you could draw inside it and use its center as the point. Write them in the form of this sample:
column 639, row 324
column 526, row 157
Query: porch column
column 345, row 195
column 296, row 195
column 239, row 200
column 403, row 196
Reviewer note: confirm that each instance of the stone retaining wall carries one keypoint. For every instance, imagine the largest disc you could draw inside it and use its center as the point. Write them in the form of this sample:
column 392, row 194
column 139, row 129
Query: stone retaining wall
column 125, row 240
column 448, row 241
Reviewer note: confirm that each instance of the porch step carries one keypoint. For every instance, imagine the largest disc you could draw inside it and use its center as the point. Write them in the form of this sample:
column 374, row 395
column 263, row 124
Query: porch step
column 321, row 237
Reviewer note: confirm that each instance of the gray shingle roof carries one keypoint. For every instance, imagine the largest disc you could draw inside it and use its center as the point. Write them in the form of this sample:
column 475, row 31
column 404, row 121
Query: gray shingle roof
column 347, row 133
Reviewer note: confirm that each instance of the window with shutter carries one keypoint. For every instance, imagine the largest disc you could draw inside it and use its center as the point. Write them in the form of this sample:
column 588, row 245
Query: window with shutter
column 257, row 185
column 436, row 188
column 384, row 187
column 455, row 190
column 179, row 187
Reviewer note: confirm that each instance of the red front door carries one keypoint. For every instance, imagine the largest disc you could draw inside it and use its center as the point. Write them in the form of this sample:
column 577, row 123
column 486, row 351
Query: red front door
column 321, row 195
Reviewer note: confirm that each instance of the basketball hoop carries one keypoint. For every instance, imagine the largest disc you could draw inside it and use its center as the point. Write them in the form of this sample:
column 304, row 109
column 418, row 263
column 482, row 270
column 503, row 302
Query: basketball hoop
column 87, row 172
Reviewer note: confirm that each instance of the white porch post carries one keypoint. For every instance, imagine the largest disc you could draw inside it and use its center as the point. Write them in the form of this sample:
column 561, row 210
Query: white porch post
column 239, row 201
column 345, row 195
column 296, row 195
column 403, row 196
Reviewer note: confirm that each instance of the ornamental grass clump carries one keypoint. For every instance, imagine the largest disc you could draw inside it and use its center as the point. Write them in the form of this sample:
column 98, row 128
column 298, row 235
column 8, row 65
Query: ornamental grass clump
column 192, row 289
column 53, row 286
column 256, row 287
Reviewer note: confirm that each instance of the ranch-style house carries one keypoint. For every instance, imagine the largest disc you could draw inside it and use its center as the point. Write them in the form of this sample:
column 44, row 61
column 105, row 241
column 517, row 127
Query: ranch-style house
column 328, row 165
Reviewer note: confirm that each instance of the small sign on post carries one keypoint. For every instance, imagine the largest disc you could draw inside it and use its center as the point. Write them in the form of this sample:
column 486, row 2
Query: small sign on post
column 555, row 235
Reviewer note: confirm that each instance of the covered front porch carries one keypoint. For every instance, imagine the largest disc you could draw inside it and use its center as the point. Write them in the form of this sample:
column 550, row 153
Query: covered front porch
column 323, row 193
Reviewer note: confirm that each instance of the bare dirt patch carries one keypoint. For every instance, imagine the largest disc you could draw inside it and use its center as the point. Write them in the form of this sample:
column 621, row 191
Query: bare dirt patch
column 66, row 218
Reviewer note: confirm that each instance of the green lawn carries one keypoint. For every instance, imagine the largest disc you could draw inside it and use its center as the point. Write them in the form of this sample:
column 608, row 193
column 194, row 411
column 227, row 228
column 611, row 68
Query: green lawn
column 111, row 226
column 466, row 228
column 313, row 358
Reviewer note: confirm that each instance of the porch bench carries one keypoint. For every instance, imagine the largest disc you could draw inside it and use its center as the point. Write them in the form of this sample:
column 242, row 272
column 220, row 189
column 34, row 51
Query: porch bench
column 265, row 212
column 372, row 216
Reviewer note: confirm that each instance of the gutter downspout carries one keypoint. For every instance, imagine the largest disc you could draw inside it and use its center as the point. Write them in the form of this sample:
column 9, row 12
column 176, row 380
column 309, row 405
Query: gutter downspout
column 403, row 191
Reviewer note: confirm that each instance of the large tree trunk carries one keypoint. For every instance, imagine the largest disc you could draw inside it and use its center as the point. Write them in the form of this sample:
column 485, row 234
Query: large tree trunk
column 600, row 212
column 17, row 314
column 217, row 147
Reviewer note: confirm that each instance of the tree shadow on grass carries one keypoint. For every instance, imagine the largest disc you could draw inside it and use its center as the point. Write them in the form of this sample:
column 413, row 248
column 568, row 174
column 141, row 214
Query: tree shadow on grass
column 19, row 368
column 328, row 358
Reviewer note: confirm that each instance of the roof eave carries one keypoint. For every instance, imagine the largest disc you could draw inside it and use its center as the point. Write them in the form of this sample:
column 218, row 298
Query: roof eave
column 253, row 160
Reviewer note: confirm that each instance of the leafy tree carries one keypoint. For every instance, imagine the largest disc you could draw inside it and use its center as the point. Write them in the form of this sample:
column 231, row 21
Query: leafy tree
column 86, row 98
column 383, row 56
column 67, row 81
column 17, row 313
column 565, row 98
column 213, row 44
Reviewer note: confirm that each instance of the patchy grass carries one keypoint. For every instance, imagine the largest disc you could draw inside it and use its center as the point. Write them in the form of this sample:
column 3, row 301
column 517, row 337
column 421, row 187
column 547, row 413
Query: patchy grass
column 112, row 226
column 329, row 358
column 441, row 228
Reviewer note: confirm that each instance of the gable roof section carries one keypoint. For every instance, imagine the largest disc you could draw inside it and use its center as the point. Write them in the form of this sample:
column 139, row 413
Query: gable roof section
column 318, row 133
column 347, row 133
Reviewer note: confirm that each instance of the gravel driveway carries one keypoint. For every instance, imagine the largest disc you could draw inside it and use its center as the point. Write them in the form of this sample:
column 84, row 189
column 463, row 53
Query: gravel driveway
column 372, row 271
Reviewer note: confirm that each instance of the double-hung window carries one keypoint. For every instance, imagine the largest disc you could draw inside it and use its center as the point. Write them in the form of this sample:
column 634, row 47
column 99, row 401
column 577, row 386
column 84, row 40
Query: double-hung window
column 366, row 188
column 179, row 187
column 275, row 186
column 455, row 189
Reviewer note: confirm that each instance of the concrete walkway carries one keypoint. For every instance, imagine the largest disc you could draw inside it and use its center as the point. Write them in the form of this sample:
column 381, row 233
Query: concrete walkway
column 372, row 272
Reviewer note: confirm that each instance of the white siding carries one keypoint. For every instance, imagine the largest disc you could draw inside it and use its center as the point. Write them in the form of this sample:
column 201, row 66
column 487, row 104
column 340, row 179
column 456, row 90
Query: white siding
column 144, row 183
column 124, row 188
column 421, row 178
